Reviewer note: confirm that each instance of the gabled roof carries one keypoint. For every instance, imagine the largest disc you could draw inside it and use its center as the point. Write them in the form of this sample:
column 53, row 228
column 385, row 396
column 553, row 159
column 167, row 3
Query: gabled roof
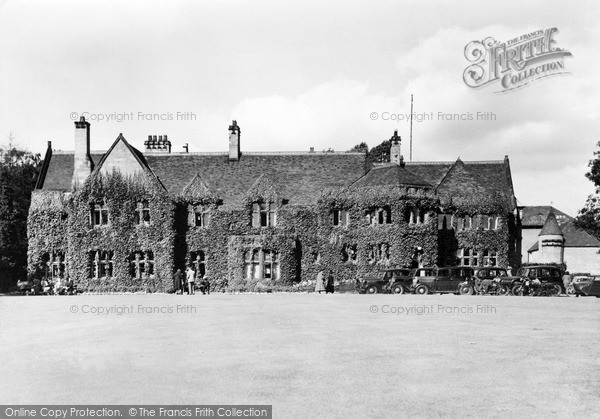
column 551, row 226
column 134, row 151
column 493, row 175
column 535, row 215
column 390, row 175
column 197, row 188
column 460, row 181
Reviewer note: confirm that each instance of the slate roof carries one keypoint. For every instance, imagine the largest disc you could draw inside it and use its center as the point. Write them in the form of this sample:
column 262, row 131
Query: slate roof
column 59, row 174
column 298, row 178
column 551, row 226
column 390, row 175
column 535, row 216
column 575, row 237
column 465, row 177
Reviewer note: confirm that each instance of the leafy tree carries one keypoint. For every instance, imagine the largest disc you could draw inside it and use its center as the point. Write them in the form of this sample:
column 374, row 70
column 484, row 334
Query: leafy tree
column 362, row 147
column 589, row 216
column 18, row 173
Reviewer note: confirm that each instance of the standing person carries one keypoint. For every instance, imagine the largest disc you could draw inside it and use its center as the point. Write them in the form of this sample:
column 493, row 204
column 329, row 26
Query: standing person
column 566, row 281
column 191, row 278
column 319, row 286
column 177, row 283
column 329, row 287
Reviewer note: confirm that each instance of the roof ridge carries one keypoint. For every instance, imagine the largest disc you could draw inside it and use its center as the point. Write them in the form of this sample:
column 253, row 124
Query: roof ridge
column 415, row 163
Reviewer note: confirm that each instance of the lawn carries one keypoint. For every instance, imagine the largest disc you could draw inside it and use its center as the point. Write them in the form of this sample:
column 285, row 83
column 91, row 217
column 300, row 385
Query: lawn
column 308, row 355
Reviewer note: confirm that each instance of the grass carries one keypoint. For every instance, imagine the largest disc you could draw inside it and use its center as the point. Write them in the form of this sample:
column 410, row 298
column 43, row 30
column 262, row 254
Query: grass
column 309, row 355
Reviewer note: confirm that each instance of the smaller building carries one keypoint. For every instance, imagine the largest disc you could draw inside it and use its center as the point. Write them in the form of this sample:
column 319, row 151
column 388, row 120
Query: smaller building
column 550, row 236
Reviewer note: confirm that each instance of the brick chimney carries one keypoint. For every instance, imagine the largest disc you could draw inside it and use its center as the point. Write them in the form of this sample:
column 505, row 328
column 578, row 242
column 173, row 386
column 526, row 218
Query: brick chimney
column 160, row 144
column 395, row 156
column 234, row 141
column 82, row 163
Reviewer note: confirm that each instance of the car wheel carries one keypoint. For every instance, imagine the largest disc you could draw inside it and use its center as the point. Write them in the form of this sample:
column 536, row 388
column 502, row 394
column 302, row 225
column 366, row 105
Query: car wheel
column 517, row 289
column 557, row 291
column 398, row 289
column 422, row 290
column 372, row 289
column 503, row 290
column 571, row 291
column 465, row 290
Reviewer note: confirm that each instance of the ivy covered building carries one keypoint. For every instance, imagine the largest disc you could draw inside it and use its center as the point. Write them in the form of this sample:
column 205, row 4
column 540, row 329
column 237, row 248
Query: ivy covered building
column 125, row 220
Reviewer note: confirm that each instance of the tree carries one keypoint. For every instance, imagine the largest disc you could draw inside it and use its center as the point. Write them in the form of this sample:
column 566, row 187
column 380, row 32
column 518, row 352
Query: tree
column 588, row 218
column 362, row 148
column 380, row 153
column 18, row 173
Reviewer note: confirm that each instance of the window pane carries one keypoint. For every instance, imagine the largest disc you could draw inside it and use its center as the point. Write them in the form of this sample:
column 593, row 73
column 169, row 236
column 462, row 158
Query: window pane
column 272, row 218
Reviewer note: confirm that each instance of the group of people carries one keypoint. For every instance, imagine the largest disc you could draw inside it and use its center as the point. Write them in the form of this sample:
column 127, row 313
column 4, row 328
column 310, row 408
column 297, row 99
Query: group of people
column 187, row 284
column 322, row 285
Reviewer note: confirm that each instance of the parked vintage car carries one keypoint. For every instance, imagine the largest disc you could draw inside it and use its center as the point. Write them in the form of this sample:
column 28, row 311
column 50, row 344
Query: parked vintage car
column 380, row 281
column 548, row 276
column 587, row 285
column 401, row 283
column 442, row 280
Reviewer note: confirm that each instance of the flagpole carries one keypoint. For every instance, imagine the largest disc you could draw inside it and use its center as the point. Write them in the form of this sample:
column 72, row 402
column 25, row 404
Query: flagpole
column 411, row 119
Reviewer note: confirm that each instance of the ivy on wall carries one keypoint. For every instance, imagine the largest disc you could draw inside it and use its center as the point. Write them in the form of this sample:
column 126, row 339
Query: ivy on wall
column 69, row 224
column 304, row 236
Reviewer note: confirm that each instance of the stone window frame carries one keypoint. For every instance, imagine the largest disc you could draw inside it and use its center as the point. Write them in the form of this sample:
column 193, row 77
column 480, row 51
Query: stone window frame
column 340, row 217
column 413, row 215
column 468, row 254
column 141, row 264
column 198, row 216
column 99, row 215
column 142, row 213
column 101, row 263
column 264, row 214
column 261, row 264
column 380, row 215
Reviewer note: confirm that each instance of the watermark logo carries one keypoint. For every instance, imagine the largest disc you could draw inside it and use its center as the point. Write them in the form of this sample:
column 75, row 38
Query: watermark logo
column 514, row 63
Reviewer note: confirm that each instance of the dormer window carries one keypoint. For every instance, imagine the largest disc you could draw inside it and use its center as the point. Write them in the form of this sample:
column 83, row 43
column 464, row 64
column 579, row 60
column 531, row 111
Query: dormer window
column 142, row 213
column 381, row 215
column 264, row 214
column 99, row 215
column 340, row 217
column 198, row 216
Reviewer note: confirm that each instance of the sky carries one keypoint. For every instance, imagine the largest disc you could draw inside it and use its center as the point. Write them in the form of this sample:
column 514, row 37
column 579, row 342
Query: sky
column 301, row 74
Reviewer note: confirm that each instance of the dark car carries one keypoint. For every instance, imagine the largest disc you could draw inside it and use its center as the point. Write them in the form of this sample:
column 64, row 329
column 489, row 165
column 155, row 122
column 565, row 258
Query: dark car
column 380, row 281
column 589, row 285
column 549, row 277
column 443, row 280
